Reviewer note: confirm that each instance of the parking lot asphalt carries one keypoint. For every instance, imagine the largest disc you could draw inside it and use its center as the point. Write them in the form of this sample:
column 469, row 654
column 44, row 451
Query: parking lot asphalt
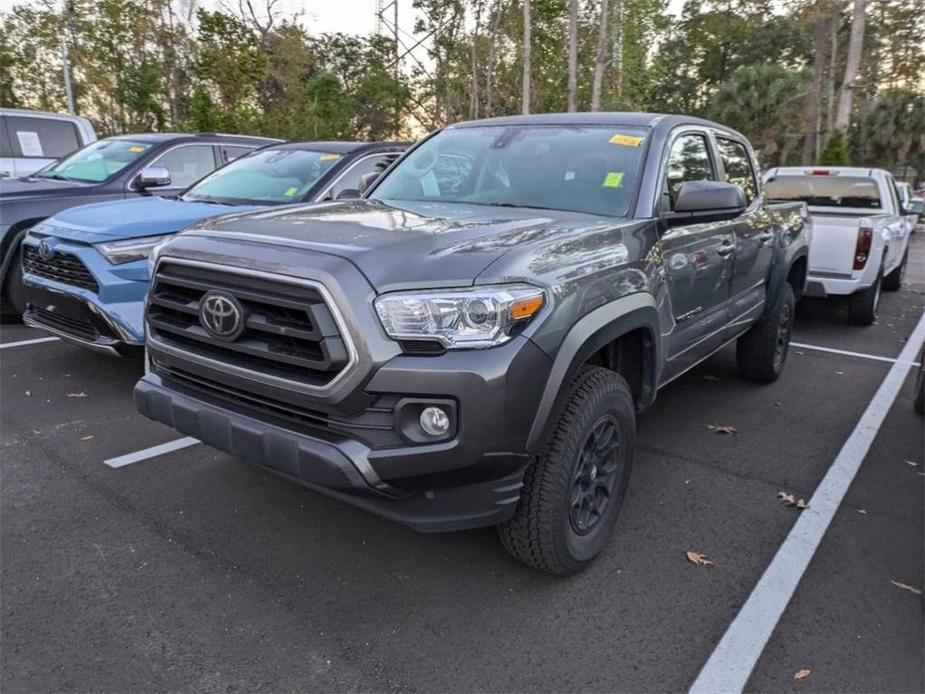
column 194, row 571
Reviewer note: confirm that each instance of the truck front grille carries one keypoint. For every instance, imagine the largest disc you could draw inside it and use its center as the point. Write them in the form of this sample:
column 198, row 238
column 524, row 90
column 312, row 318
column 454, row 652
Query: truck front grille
column 62, row 267
column 289, row 330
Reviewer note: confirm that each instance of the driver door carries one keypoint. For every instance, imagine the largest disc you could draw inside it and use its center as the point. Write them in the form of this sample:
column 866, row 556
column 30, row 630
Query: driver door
column 698, row 259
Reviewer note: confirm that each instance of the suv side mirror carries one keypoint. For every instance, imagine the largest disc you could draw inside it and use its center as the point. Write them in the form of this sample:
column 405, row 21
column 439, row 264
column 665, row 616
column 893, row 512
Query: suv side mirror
column 152, row 177
column 348, row 194
column 366, row 180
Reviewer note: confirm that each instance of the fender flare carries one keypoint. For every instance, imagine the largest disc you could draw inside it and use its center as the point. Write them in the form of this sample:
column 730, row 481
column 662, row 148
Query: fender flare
column 592, row 332
column 781, row 271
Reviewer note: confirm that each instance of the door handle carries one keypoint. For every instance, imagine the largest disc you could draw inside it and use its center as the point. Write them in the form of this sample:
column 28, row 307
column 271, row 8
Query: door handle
column 726, row 249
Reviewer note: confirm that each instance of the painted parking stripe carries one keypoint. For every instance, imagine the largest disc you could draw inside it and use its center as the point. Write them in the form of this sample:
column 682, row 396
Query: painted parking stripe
column 848, row 353
column 731, row 663
column 34, row 341
column 152, row 452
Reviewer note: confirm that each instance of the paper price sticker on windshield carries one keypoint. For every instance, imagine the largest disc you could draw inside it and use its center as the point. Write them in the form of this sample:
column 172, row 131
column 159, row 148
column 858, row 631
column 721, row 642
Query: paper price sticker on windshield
column 135, row 149
column 613, row 180
column 626, row 140
column 329, row 157
column 290, row 192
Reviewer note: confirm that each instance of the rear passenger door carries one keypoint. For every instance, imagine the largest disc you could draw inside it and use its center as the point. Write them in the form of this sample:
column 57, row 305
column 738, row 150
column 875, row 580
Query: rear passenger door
column 753, row 233
column 697, row 257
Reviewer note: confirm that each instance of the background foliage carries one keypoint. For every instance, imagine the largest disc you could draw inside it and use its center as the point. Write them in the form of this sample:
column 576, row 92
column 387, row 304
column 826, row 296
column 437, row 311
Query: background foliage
column 770, row 68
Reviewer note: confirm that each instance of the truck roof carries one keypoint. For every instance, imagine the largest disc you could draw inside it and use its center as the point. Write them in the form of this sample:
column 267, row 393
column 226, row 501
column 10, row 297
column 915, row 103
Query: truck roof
column 655, row 121
column 859, row 171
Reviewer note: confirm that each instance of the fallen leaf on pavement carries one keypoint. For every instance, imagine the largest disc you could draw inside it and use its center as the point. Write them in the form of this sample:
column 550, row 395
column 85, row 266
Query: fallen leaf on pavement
column 28, row 393
column 802, row 674
column 906, row 586
column 698, row 558
column 78, row 395
column 862, row 512
column 801, row 504
column 791, row 500
column 911, row 462
column 722, row 429
column 708, row 377
column 86, row 438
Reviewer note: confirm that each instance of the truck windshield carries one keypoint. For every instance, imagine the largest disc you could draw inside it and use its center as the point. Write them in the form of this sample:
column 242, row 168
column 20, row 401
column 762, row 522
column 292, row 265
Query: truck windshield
column 97, row 162
column 265, row 177
column 587, row 169
column 826, row 191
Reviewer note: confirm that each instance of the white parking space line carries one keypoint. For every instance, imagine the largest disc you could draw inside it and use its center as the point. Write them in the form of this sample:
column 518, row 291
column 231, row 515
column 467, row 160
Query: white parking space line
column 34, row 341
column 731, row 663
column 848, row 353
column 152, row 452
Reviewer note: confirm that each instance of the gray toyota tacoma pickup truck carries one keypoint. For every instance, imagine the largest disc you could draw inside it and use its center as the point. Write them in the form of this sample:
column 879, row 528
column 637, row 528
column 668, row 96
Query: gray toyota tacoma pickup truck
column 470, row 342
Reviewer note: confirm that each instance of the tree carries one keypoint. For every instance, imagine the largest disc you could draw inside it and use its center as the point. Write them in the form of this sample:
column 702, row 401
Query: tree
column 852, row 62
column 527, row 55
column 821, row 20
column 600, row 57
column 572, row 55
column 836, row 151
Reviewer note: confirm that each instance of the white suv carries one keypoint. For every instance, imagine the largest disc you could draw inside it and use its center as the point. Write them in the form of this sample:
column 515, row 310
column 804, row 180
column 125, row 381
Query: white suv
column 30, row 140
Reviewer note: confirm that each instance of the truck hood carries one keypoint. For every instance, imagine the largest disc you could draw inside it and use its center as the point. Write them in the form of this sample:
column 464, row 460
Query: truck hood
column 30, row 188
column 420, row 244
column 128, row 219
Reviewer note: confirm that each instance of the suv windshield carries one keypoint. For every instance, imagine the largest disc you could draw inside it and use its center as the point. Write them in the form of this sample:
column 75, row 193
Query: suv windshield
column 826, row 191
column 266, row 176
column 97, row 162
column 590, row 169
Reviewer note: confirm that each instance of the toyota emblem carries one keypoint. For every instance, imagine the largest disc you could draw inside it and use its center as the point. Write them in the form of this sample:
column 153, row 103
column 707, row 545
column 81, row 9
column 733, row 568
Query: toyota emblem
column 46, row 250
column 221, row 315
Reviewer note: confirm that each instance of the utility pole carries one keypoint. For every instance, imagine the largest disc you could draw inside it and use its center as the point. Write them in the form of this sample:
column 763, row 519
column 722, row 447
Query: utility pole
column 67, row 76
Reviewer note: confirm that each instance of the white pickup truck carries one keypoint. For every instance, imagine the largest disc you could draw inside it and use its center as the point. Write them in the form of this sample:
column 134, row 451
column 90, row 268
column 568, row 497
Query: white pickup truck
column 860, row 234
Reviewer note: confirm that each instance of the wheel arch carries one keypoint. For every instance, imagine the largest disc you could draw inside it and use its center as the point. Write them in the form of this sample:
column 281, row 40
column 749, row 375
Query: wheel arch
column 11, row 243
column 622, row 329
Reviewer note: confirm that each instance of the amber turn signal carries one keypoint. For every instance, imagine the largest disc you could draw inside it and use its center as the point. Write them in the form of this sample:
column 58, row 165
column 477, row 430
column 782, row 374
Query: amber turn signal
column 524, row 308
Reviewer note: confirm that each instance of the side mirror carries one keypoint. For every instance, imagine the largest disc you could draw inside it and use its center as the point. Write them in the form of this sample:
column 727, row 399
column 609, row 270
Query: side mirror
column 152, row 177
column 714, row 197
column 917, row 206
column 349, row 194
column 366, row 180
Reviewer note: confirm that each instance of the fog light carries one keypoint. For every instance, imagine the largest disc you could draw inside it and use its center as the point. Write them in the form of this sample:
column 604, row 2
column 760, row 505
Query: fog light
column 435, row 421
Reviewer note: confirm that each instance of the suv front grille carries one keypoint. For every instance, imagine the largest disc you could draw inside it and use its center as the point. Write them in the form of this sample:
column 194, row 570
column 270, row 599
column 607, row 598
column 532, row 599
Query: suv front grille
column 62, row 267
column 290, row 332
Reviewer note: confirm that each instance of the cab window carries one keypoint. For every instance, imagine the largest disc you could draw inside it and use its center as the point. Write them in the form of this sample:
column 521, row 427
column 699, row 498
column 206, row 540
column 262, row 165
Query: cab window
column 688, row 160
column 187, row 164
column 738, row 166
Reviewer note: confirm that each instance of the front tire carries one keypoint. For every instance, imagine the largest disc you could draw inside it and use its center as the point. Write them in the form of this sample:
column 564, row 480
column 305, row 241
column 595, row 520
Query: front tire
column 762, row 352
column 862, row 306
column 14, row 296
column 574, row 487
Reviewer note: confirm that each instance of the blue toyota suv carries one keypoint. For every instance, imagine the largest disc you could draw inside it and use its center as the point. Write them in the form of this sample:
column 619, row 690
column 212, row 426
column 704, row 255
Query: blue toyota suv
column 112, row 169
column 85, row 270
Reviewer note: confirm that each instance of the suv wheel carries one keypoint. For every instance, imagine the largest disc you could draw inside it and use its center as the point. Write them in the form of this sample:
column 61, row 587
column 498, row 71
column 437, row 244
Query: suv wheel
column 13, row 295
column 894, row 281
column 862, row 307
column 762, row 351
column 574, row 487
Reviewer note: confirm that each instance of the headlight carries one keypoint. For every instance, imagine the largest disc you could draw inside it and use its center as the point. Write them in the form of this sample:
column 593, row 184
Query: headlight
column 118, row 252
column 460, row 318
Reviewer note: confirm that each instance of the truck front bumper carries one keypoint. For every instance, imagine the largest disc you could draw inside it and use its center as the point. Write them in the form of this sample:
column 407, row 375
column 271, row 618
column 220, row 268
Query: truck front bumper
column 470, row 480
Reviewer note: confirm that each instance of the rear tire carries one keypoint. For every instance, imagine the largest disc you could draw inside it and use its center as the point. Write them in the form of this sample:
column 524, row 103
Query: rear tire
column 574, row 487
column 762, row 352
column 920, row 388
column 894, row 281
column 862, row 307
column 14, row 295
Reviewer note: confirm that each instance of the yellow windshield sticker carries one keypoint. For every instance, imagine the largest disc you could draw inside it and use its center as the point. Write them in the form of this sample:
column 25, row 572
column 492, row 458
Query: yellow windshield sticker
column 291, row 191
column 329, row 157
column 135, row 149
column 614, row 179
column 627, row 140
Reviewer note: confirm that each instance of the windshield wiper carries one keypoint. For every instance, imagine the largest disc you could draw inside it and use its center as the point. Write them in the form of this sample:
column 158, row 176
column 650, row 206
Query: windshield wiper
column 511, row 204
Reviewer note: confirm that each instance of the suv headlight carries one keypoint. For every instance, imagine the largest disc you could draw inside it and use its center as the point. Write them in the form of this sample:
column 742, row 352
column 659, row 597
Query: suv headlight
column 460, row 318
column 118, row 252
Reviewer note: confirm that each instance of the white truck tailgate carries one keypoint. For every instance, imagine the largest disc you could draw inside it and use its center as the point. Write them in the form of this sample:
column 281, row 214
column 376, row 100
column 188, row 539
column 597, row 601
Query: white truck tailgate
column 833, row 243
